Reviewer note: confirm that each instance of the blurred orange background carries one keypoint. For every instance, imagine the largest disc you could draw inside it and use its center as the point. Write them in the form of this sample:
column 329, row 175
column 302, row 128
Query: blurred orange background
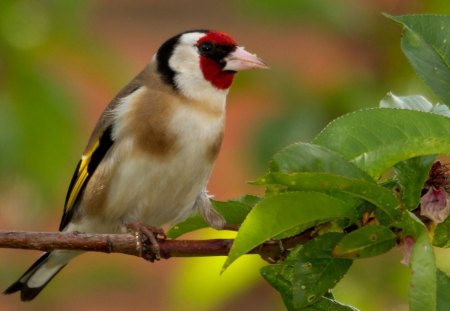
column 62, row 61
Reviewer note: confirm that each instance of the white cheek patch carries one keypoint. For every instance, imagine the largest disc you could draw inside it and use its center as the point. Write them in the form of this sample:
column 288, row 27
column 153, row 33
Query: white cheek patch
column 185, row 58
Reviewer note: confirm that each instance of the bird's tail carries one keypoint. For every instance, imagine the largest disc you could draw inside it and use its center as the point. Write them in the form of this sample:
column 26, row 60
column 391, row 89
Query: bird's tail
column 40, row 274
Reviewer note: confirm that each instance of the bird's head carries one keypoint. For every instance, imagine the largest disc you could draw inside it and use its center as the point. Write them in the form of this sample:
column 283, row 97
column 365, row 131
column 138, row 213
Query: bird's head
column 200, row 61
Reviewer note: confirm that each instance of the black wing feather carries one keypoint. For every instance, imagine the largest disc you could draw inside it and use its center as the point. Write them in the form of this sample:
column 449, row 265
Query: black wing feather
column 83, row 174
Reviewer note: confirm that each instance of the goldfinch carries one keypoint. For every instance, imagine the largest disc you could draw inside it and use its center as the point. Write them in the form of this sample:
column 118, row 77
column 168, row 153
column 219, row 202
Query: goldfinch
column 151, row 153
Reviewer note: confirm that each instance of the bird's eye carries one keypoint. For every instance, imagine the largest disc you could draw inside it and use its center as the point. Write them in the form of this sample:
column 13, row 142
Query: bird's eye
column 206, row 47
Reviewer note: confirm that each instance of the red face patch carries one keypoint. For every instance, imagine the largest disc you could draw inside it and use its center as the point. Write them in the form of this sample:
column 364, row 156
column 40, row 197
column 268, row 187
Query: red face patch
column 217, row 37
column 211, row 67
column 212, row 71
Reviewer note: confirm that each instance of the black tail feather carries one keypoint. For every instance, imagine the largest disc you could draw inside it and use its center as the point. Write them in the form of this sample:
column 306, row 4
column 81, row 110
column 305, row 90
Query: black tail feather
column 29, row 293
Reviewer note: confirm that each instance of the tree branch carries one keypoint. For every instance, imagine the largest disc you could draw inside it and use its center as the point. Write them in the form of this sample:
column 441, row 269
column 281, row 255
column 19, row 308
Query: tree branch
column 129, row 244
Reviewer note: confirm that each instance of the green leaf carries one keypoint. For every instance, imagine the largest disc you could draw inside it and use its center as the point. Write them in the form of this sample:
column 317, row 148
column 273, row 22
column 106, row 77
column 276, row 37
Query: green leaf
column 376, row 139
column 234, row 212
column 422, row 291
column 412, row 175
column 303, row 157
column 379, row 196
column 426, row 45
column 441, row 235
column 316, row 270
column 280, row 276
column 281, row 212
column 368, row 241
column 443, row 291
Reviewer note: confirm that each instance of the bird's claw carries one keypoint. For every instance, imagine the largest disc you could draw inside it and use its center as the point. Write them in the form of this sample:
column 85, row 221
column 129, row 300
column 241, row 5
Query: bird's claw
column 153, row 234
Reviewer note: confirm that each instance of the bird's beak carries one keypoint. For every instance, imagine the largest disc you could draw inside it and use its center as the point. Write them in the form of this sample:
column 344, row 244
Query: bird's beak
column 240, row 59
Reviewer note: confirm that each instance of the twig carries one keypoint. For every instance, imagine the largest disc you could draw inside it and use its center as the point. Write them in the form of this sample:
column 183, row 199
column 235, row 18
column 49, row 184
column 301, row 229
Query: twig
column 126, row 244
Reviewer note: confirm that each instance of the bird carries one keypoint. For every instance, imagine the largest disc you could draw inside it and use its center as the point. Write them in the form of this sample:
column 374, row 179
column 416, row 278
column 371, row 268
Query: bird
column 151, row 153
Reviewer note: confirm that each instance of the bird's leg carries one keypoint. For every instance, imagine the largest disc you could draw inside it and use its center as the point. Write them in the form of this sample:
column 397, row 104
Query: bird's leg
column 152, row 234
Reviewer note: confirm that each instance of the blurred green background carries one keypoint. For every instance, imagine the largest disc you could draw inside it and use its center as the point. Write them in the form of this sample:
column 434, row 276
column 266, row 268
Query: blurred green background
column 61, row 62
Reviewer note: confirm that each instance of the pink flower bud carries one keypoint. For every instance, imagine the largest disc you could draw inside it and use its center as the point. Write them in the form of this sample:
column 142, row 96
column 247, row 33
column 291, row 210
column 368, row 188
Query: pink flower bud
column 435, row 204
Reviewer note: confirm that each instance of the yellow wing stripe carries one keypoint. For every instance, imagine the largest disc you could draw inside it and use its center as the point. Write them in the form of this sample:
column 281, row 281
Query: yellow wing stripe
column 82, row 175
column 86, row 167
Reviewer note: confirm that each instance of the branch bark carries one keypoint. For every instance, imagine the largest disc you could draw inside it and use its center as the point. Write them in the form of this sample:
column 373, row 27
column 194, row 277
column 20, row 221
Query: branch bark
column 129, row 244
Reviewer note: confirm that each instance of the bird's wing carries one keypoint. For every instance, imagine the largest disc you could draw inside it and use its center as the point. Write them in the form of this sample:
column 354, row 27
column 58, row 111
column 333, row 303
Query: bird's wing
column 85, row 169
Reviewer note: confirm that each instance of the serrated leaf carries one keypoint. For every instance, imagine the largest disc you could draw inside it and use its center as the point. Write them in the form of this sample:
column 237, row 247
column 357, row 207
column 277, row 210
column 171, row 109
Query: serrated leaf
column 368, row 241
column 281, row 212
column 303, row 157
column 443, row 291
column 280, row 277
column 376, row 139
column 234, row 212
column 411, row 175
column 426, row 45
column 316, row 270
column 422, row 290
column 379, row 196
